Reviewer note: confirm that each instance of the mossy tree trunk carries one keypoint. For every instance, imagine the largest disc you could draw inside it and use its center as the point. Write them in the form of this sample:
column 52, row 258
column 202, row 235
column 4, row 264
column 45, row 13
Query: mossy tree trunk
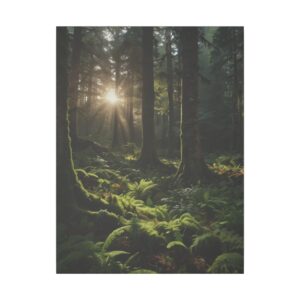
column 148, row 156
column 192, row 167
column 70, row 192
column 74, row 81
column 170, row 91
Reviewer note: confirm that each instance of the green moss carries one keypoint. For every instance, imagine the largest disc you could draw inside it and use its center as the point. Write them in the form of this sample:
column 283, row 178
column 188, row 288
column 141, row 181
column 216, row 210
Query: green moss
column 89, row 180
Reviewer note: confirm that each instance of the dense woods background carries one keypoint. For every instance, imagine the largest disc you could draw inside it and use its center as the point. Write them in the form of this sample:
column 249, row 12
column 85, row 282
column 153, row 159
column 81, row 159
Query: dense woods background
column 150, row 149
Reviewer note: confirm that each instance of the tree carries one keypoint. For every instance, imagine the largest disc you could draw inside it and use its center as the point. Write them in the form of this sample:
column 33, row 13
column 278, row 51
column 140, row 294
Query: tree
column 192, row 167
column 70, row 192
column 74, row 80
column 170, row 90
column 148, row 154
column 130, row 118
column 227, row 71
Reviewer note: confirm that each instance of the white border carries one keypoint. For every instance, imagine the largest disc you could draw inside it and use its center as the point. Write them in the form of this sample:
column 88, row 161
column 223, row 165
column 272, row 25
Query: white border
column 27, row 123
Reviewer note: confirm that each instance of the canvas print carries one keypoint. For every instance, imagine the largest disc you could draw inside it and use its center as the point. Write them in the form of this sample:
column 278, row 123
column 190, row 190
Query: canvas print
column 150, row 143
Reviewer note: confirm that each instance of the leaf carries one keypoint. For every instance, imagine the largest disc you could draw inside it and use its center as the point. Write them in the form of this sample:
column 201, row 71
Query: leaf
column 113, row 235
column 176, row 244
column 116, row 253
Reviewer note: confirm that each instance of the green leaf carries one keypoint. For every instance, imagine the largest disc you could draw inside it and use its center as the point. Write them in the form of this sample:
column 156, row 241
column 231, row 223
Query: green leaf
column 116, row 253
column 176, row 244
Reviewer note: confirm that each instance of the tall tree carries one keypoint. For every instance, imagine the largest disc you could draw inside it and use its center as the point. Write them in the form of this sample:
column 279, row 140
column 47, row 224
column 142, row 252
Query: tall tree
column 148, row 154
column 70, row 192
column 170, row 90
column 74, row 81
column 237, row 102
column 192, row 167
column 115, row 138
column 130, row 117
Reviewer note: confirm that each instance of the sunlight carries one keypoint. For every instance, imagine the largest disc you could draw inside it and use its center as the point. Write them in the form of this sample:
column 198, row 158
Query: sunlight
column 111, row 97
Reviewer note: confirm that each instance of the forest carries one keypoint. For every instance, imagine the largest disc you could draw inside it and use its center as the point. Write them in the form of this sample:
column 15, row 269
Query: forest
column 150, row 149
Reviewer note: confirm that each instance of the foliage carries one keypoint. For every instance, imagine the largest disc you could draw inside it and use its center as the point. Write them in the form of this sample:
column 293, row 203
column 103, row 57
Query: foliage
column 146, row 227
column 207, row 245
column 141, row 190
column 227, row 263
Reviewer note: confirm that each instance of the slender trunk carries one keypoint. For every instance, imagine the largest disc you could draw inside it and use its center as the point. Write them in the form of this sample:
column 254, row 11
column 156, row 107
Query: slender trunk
column 74, row 79
column 148, row 154
column 164, row 131
column 192, row 167
column 90, row 99
column 116, row 139
column 130, row 109
column 170, row 91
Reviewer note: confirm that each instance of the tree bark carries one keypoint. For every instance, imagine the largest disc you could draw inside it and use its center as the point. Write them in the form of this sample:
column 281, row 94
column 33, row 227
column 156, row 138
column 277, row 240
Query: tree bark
column 74, row 79
column 90, row 98
column 237, row 123
column 70, row 192
column 170, row 92
column 192, row 167
column 130, row 109
column 148, row 155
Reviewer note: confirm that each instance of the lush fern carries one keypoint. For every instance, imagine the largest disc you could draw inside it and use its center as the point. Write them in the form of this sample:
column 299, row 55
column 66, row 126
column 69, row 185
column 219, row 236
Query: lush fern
column 207, row 245
column 228, row 263
column 231, row 242
column 114, row 235
column 141, row 190
column 144, row 236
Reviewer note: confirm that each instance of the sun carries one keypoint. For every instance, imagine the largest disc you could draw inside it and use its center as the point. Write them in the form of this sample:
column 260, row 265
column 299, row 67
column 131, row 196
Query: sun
column 111, row 96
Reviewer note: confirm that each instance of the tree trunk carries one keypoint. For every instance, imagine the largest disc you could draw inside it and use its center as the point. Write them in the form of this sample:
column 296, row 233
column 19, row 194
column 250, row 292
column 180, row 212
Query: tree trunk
column 237, row 127
column 130, row 109
column 70, row 191
column 116, row 138
column 74, row 79
column 90, row 98
column 192, row 167
column 170, row 92
column 148, row 155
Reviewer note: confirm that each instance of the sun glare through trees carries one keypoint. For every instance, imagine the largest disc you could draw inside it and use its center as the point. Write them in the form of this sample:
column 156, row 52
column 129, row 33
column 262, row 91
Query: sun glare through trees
column 111, row 97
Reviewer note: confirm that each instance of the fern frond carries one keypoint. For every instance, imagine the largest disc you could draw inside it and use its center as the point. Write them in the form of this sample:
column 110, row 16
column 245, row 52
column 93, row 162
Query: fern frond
column 228, row 263
column 114, row 235
column 176, row 244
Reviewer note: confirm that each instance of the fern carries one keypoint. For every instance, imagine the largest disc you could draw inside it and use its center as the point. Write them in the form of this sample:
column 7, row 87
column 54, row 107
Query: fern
column 228, row 263
column 231, row 242
column 116, row 253
column 114, row 235
column 142, row 189
column 176, row 244
column 207, row 245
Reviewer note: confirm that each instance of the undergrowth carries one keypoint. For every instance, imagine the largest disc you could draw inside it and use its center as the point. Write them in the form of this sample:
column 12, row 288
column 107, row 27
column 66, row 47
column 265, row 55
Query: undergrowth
column 148, row 225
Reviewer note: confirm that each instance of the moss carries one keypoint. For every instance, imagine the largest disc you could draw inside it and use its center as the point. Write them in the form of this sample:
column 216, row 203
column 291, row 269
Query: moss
column 89, row 180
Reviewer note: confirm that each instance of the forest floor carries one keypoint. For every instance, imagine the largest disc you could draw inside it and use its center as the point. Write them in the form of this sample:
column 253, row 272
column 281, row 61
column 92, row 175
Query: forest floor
column 149, row 225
